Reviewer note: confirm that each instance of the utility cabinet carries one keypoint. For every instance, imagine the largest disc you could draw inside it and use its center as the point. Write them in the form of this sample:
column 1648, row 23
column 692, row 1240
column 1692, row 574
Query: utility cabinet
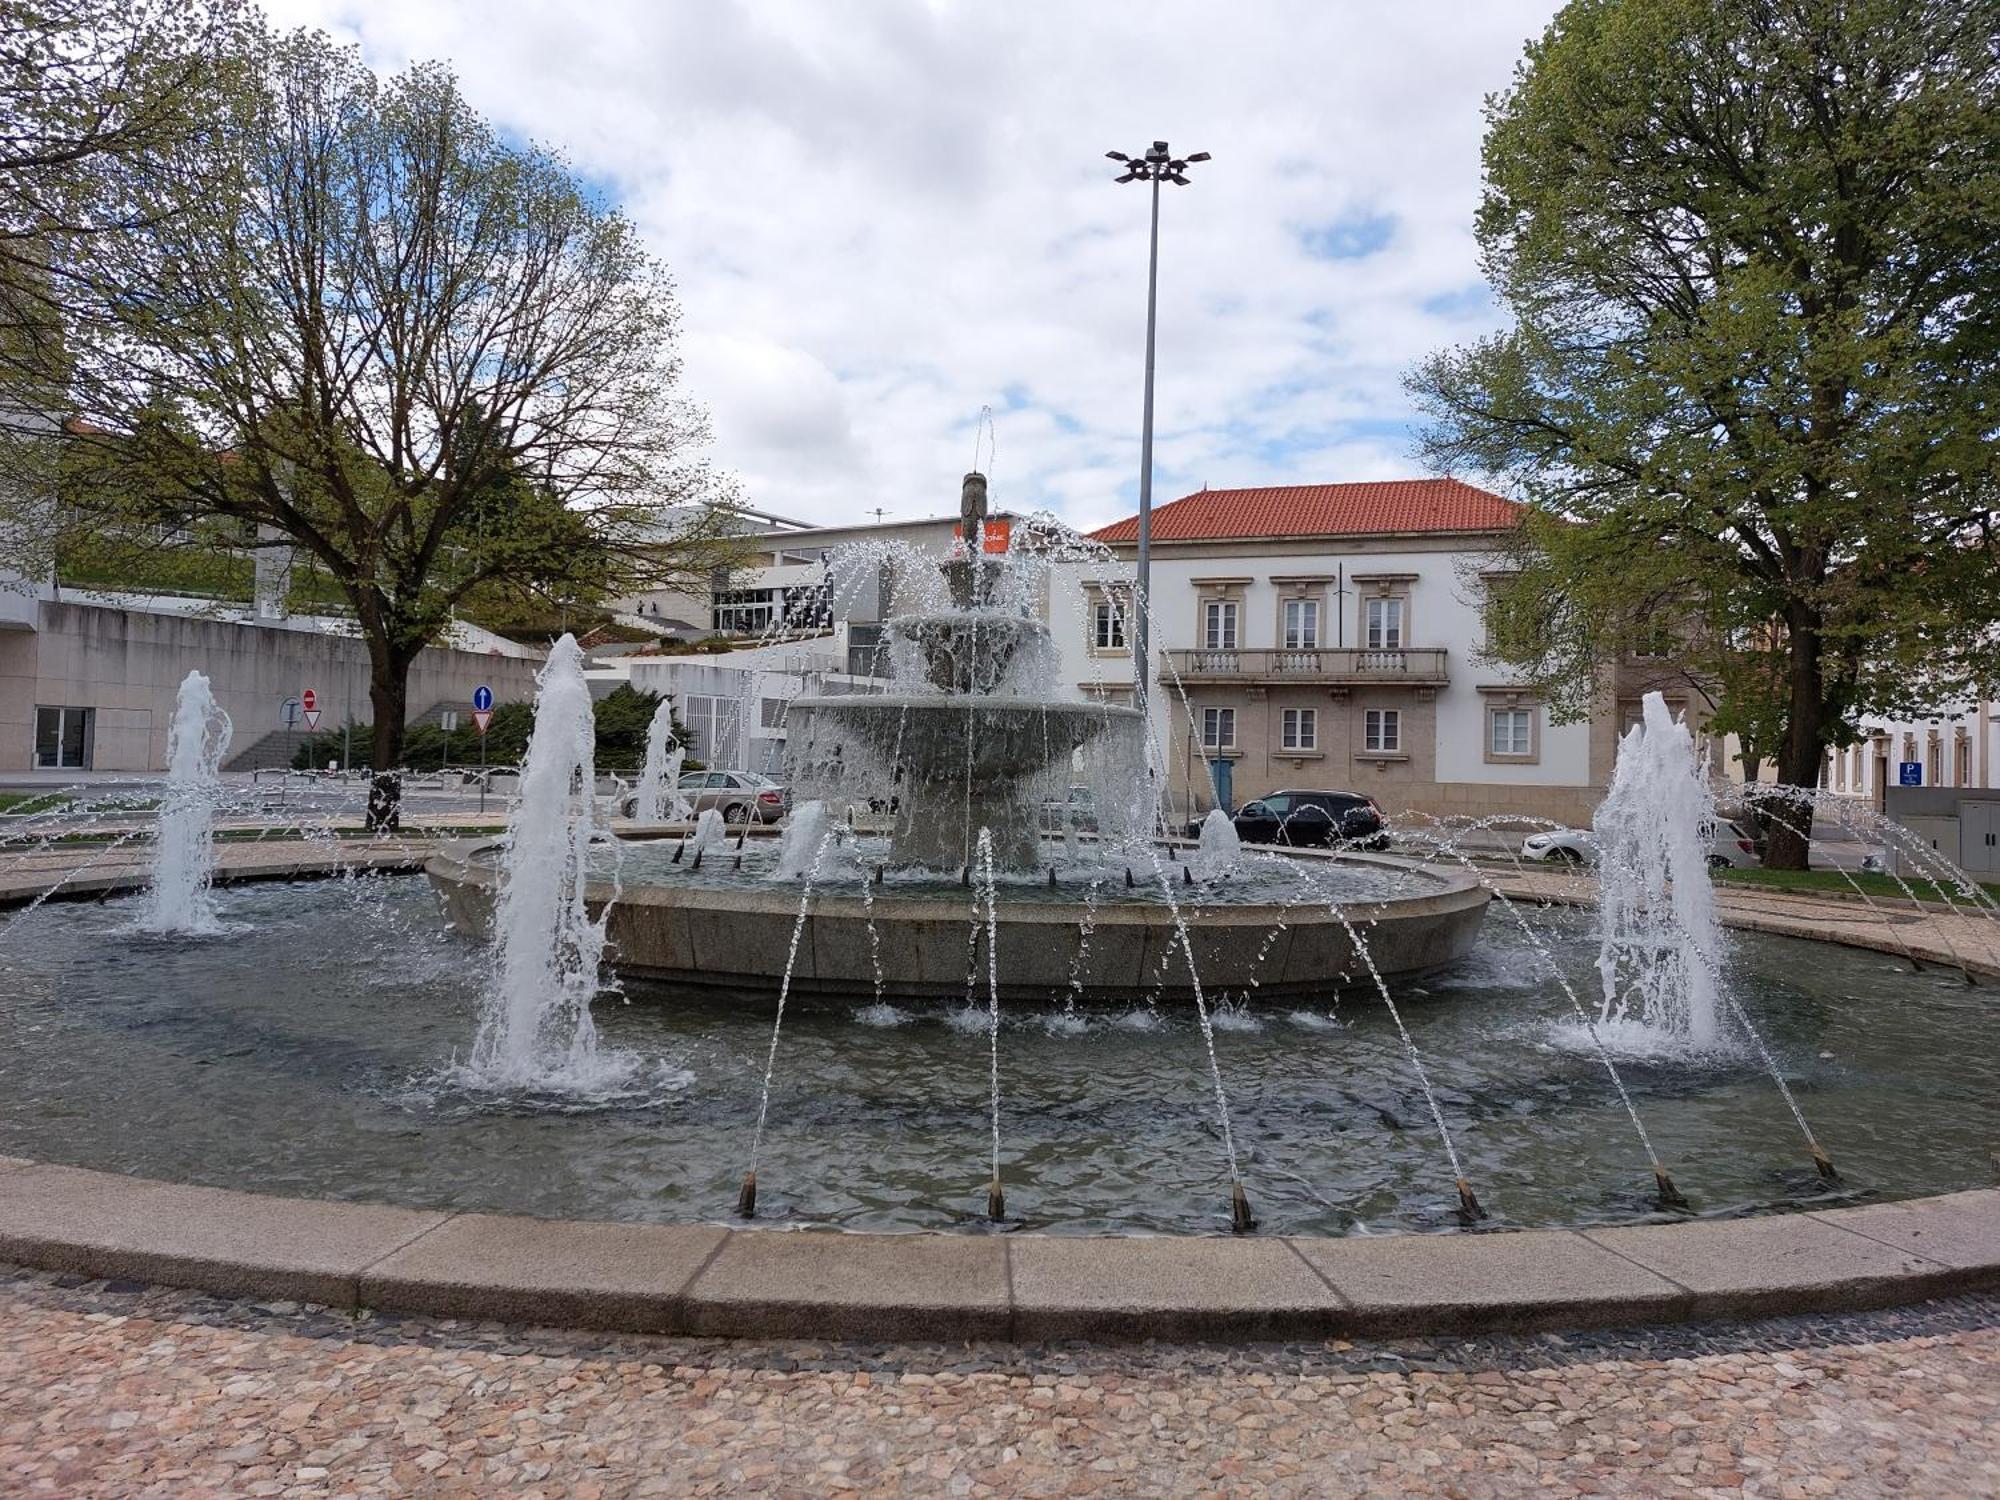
column 1979, row 836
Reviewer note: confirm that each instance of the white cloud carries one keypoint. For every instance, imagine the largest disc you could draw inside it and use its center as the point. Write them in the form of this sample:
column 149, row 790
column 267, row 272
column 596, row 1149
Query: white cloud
column 882, row 217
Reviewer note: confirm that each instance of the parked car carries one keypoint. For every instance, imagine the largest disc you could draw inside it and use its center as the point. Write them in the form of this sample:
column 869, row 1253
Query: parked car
column 740, row 796
column 1078, row 812
column 1309, row 819
column 1733, row 845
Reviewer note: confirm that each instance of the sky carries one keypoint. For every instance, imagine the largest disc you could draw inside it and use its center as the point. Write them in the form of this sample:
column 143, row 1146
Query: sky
column 884, row 215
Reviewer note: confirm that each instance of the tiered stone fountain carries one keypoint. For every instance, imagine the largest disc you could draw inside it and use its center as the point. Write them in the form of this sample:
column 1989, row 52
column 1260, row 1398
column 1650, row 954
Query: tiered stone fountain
column 976, row 737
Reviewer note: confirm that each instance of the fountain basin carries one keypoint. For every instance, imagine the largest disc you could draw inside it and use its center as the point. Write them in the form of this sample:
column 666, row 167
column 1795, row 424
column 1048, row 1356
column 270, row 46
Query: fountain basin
column 740, row 938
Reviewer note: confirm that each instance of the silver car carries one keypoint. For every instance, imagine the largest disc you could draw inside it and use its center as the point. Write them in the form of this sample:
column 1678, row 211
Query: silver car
column 740, row 796
column 1732, row 846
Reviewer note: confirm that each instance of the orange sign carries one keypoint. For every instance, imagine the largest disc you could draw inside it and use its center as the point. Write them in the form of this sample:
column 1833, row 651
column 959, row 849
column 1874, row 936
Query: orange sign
column 993, row 536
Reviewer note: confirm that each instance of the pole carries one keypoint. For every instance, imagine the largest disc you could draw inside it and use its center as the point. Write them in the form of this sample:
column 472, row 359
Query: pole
column 1142, row 661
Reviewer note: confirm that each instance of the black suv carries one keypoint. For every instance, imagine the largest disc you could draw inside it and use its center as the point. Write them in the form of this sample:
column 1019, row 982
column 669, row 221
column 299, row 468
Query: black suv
column 1312, row 819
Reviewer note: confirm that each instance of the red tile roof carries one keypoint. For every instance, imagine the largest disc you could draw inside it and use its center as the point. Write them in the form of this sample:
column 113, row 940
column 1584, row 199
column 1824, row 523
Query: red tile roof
column 1391, row 507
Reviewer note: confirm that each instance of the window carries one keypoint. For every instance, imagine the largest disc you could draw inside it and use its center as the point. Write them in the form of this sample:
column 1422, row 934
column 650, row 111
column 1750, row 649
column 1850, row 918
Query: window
column 1962, row 753
column 1385, row 626
column 1107, row 625
column 1218, row 729
column 1383, row 730
column 1934, row 763
column 867, row 651
column 771, row 712
column 742, row 611
column 63, row 738
column 1510, row 731
column 1299, row 729
column 1218, row 628
column 1656, row 643
column 1302, row 624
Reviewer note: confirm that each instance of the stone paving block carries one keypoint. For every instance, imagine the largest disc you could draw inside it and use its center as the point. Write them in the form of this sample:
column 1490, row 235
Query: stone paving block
column 1450, row 1283
column 1139, row 1288
column 581, row 1274
column 804, row 1284
column 1792, row 1262
column 1960, row 1229
column 237, row 1244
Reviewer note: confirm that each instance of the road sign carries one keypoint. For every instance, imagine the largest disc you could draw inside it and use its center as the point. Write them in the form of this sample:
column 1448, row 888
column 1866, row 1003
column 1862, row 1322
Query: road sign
column 312, row 720
column 482, row 699
column 1909, row 773
column 482, row 717
column 309, row 701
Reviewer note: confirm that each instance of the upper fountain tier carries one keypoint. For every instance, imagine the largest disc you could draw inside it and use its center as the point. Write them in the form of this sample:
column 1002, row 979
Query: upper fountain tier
column 975, row 734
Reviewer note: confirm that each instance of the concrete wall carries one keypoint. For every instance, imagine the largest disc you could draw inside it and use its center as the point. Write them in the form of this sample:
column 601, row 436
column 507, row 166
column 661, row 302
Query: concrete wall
column 127, row 665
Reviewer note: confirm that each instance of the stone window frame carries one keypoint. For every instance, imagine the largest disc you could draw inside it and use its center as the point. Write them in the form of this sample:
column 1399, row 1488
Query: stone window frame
column 1117, row 596
column 1229, row 746
column 1307, row 731
column 1501, row 697
column 1371, row 586
column 1209, row 591
column 1371, row 724
column 1304, row 588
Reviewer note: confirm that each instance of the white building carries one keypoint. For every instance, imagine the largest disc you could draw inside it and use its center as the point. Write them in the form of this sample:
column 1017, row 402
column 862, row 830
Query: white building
column 1327, row 636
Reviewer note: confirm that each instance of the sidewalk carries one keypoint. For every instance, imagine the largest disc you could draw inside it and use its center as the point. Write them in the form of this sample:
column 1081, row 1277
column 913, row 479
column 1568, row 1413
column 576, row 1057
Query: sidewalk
column 1967, row 939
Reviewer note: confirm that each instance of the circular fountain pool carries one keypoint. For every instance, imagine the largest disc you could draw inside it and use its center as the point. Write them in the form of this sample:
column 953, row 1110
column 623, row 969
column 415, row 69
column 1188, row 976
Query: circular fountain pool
column 308, row 1049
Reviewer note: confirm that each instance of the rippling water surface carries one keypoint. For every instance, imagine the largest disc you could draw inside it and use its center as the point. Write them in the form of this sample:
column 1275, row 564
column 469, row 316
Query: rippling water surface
column 307, row 1050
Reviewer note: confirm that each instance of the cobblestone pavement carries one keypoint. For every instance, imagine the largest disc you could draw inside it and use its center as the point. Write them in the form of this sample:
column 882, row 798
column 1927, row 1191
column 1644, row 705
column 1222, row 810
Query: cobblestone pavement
column 114, row 1389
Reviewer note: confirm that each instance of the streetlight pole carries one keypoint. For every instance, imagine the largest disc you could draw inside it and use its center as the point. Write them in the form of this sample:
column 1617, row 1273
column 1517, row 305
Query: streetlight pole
column 1155, row 166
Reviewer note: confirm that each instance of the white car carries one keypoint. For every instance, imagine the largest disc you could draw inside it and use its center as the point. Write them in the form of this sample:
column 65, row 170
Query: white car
column 1732, row 845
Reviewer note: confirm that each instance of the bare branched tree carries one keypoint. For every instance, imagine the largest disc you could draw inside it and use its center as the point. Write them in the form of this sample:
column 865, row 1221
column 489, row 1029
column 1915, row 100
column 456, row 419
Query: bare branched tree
column 354, row 321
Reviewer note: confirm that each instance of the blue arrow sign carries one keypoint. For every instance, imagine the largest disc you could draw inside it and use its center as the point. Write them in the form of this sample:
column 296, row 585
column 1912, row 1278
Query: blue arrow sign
column 482, row 699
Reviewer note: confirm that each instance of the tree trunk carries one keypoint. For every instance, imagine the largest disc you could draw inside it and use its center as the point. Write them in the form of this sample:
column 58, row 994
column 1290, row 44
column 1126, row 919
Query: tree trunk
column 388, row 695
column 1789, row 825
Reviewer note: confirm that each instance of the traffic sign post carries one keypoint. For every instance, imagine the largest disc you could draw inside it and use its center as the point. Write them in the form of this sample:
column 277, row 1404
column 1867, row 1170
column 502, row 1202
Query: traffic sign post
column 482, row 715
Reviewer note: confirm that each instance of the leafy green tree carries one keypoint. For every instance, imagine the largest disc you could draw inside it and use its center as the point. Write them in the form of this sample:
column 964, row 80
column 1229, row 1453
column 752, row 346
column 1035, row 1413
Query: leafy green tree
column 361, row 325
column 1749, row 250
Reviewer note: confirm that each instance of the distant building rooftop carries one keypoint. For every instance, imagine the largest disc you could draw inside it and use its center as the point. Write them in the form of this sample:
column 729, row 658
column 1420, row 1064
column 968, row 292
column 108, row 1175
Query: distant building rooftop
column 1387, row 508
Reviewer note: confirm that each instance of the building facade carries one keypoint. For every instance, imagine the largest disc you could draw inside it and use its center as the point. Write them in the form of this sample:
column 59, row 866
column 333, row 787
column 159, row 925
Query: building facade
column 1329, row 636
column 88, row 685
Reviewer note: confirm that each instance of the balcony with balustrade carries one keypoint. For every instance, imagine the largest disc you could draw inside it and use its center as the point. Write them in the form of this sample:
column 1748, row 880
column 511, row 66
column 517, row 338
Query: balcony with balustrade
column 1323, row 667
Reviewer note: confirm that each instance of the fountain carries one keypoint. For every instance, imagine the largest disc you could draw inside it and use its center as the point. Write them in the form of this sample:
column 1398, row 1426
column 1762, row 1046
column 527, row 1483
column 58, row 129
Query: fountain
column 974, row 739
column 184, row 852
column 1660, row 940
column 659, row 798
column 535, row 1029
column 1354, row 1104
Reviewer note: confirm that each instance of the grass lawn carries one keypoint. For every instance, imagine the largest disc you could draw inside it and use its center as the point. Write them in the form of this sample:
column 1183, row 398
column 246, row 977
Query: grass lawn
column 31, row 802
column 1835, row 883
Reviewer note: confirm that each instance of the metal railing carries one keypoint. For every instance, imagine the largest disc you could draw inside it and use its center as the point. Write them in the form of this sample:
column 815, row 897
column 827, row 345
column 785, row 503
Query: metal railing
column 1422, row 664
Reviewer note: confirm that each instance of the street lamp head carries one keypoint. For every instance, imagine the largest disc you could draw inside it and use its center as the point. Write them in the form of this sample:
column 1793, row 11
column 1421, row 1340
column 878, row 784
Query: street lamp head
column 1158, row 153
column 1199, row 156
column 1128, row 177
column 1117, row 156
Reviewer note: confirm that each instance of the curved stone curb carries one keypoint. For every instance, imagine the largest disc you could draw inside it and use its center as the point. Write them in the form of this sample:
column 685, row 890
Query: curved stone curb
column 274, row 862
column 712, row 1280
